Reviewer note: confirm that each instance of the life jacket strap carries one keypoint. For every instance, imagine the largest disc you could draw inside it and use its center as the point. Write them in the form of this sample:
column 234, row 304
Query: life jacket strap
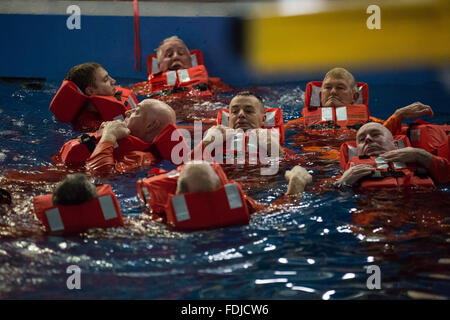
column 88, row 141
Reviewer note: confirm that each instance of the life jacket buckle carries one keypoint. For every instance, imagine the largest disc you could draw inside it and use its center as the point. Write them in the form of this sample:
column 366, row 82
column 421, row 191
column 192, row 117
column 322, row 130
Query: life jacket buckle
column 88, row 141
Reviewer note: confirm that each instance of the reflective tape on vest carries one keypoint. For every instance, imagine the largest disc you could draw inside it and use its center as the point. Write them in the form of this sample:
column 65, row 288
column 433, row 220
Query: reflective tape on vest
column 360, row 96
column 270, row 119
column 108, row 209
column 414, row 135
column 237, row 142
column 171, row 78
column 399, row 165
column 183, row 75
column 155, row 67
column 252, row 144
column 145, row 193
column 131, row 102
column 119, row 117
column 381, row 163
column 327, row 114
column 233, row 196
column 400, row 144
column 225, row 119
column 352, row 152
column 315, row 96
column 54, row 219
column 180, row 208
column 341, row 114
column 194, row 60
column 173, row 174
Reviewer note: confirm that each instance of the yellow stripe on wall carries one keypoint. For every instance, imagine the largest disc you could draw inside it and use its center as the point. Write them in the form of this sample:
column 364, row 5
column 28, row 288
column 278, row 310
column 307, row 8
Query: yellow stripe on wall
column 410, row 35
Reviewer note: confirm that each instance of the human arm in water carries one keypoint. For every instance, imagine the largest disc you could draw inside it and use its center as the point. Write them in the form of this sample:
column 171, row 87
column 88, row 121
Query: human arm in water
column 412, row 111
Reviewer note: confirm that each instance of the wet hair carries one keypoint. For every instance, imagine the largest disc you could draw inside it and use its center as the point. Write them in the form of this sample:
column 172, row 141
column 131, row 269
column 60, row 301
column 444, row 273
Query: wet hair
column 83, row 75
column 159, row 51
column 251, row 94
column 73, row 190
column 341, row 73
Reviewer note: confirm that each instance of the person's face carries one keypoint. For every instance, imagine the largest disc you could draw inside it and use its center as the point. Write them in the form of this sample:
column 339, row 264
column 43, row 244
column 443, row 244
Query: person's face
column 336, row 93
column 245, row 113
column 174, row 56
column 138, row 121
column 373, row 139
column 103, row 84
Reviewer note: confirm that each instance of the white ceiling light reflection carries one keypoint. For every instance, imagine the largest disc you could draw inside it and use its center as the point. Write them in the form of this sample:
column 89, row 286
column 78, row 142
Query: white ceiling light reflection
column 300, row 288
column 285, row 273
column 270, row 248
column 266, row 281
column 283, row 260
column 348, row 276
column 326, row 295
column 311, row 261
column 296, row 7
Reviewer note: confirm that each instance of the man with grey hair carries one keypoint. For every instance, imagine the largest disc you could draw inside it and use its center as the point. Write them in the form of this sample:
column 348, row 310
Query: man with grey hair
column 173, row 54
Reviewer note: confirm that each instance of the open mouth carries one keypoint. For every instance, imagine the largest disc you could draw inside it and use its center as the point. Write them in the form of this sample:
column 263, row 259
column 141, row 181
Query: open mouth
column 176, row 66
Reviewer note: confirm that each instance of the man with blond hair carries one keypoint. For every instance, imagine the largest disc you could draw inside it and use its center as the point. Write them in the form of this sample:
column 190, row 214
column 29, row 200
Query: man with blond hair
column 338, row 88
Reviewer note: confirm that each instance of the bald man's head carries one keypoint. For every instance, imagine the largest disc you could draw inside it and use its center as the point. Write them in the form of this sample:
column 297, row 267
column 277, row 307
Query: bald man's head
column 148, row 119
column 373, row 139
column 197, row 176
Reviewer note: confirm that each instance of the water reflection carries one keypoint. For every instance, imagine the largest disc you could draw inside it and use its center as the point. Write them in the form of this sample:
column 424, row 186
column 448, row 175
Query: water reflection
column 315, row 248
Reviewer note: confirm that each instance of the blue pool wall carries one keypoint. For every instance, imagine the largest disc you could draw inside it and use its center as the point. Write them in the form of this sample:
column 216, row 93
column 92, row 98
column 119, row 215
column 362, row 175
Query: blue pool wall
column 41, row 46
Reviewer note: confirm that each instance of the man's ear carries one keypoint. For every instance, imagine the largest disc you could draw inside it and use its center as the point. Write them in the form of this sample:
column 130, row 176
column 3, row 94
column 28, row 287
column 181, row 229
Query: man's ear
column 89, row 90
column 355, row 96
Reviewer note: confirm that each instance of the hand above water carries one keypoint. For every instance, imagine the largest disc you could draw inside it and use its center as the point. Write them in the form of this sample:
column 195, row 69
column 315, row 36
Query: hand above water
column 298, row 178
column 409, row 155
column 414, row 110
column 113, row 130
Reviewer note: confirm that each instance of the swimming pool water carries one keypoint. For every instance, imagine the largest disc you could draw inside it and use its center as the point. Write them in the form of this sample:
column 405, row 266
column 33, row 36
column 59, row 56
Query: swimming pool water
column 316, row 248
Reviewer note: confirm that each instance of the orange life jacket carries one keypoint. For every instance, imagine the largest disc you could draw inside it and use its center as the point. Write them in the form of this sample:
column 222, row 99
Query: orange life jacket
column 152, row 61
column 352, row 116
column 349, row 150
column 392, row 174
column 69, row 100
column 224, row 206
column 75, row 152
column 387, row 175
column 274, row 119
column 183, row 83
column 241, row 147
column 245, row 143
column 101, row 212
column 433, row 138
